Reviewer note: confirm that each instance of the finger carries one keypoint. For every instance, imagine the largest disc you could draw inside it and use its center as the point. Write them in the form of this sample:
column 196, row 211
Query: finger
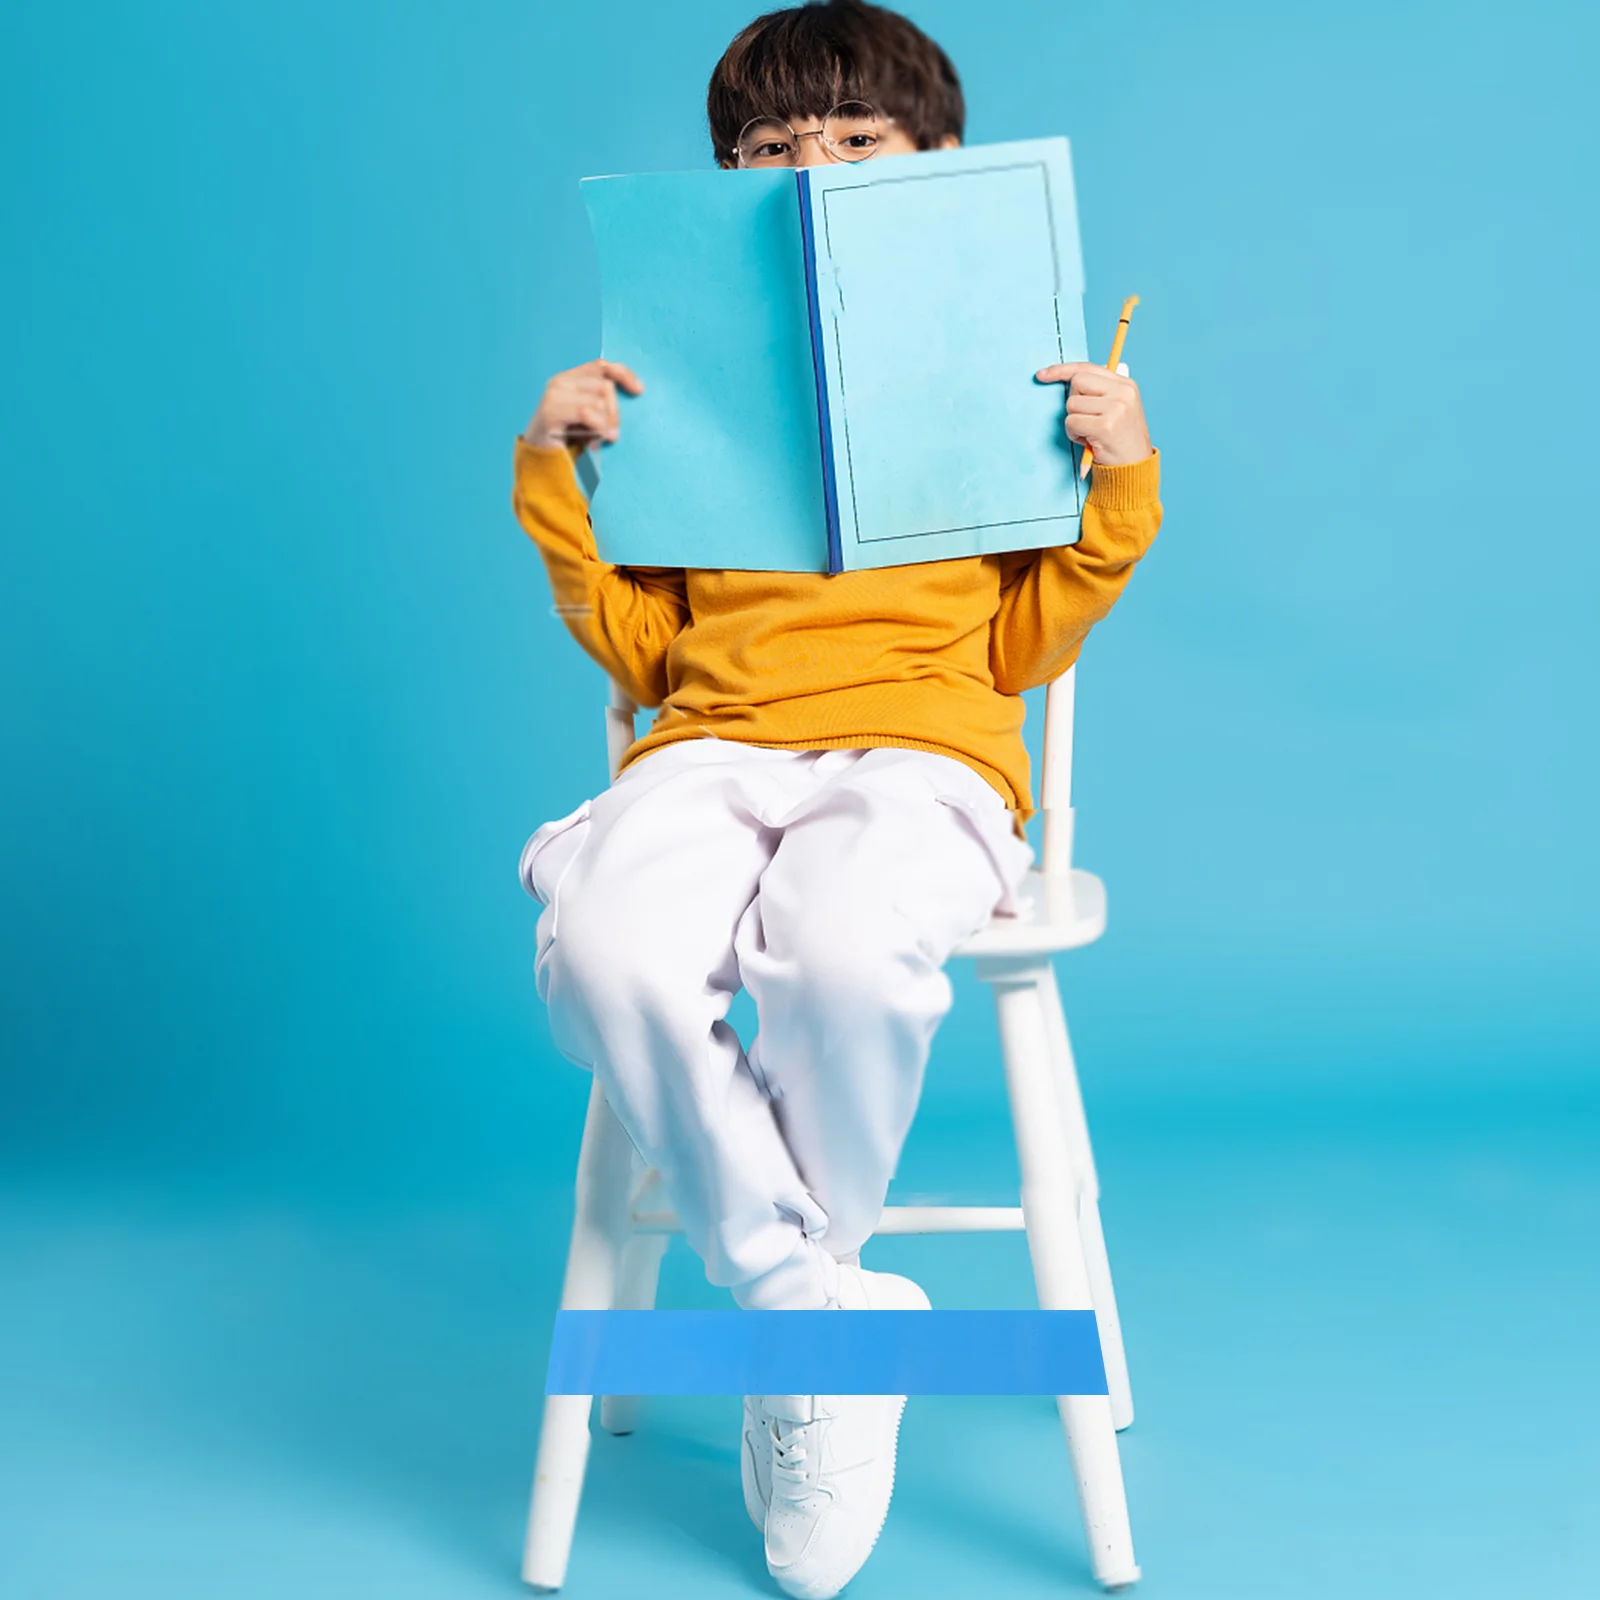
column 1098, row 381
column 594, row 401
column 1085, row 377
column 1091, row 405
column 1068, row 371
column 1085, row 430
column 596, row 417
column 580, row 391
column 620, row 374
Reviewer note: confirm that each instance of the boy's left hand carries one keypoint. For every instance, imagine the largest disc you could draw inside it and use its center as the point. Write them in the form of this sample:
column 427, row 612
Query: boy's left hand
column 1104, row 411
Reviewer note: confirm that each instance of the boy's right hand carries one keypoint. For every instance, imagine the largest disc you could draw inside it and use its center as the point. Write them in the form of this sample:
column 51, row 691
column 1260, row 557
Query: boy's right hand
column 579, row 407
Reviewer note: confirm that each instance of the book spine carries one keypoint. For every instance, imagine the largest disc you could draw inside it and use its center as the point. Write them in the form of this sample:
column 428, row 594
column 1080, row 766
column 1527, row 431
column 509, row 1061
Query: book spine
column 819, row 362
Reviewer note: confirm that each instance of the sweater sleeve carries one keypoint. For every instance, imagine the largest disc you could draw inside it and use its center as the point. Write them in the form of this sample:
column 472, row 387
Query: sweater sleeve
column 624, row 617
column 1049, row 599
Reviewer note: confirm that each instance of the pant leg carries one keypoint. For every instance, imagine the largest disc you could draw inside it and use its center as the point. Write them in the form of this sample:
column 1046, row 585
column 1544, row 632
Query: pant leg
column 879, row 875
column 637, row 967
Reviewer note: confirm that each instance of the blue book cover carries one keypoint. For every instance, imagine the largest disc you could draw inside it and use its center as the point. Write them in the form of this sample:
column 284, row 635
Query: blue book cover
column 839, row 360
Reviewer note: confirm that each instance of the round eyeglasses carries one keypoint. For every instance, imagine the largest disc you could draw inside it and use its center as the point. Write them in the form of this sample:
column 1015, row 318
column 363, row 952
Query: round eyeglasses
column 850, row 132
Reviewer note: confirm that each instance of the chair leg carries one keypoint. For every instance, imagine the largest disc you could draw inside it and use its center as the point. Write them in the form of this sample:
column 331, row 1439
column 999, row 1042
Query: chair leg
column 1049, row 1206
column 1098, row 1265
column 557, row 1489
column 636, row 1291
column 600, row 1231
column 1095, row 1258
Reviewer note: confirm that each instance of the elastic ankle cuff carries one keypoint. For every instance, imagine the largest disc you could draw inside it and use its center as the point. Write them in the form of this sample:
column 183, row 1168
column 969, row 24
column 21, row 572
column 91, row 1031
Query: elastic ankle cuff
column 808, row 1280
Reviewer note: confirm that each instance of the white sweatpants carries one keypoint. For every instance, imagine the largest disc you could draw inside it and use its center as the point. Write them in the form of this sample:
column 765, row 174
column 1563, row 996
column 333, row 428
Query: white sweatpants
column 832, row 885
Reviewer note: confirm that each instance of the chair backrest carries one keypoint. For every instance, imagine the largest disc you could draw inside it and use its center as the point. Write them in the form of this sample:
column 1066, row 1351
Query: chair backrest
column 1055, row 783
column 619, row 730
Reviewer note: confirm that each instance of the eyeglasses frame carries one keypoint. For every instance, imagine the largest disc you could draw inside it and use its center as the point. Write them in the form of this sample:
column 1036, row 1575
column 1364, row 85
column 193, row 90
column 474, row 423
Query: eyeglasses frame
column 814, row 133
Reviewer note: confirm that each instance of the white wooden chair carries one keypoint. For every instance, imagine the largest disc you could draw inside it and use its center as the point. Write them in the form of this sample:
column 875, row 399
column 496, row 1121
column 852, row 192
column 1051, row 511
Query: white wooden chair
column 621, row 1225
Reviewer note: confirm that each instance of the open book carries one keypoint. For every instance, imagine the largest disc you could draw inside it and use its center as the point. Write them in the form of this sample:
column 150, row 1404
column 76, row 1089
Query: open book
column 839, row 361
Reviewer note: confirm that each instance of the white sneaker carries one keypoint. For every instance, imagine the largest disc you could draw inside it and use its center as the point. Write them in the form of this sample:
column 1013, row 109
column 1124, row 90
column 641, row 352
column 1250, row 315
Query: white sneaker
column 829, row 1469
column 755, row 1462
column 755, row 1449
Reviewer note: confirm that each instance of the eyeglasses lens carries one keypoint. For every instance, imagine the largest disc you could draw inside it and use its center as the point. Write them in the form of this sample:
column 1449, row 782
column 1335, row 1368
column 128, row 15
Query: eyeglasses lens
column 851, row 131
column 767, row 144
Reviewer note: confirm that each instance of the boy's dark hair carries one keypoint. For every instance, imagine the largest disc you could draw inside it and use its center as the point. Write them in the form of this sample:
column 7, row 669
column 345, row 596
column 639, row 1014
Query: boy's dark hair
column 803, row 61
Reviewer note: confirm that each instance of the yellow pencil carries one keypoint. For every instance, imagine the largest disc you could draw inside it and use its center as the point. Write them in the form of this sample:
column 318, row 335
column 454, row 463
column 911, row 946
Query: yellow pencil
column 1116, row 357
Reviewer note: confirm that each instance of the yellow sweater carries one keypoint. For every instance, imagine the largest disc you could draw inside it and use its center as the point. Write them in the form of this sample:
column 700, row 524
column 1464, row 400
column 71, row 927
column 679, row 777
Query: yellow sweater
column 930, row 657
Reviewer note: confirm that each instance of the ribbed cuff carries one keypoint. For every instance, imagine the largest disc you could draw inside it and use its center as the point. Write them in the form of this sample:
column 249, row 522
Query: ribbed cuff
column 1129, row 488
column 541, row 460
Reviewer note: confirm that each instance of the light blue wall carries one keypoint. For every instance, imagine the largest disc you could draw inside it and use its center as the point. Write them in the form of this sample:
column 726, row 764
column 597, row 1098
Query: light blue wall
column 282, row 696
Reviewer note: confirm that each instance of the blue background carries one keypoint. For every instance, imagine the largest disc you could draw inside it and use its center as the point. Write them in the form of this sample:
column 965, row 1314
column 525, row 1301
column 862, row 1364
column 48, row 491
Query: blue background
column 286, row 1154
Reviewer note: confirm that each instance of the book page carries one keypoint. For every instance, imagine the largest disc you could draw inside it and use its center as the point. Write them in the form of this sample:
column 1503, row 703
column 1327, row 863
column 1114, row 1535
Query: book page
column 703, row 295
column 944, row 281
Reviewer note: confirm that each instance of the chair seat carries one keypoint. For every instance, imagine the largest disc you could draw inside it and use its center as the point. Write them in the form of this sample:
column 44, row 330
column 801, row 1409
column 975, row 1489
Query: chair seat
column 1057, row 913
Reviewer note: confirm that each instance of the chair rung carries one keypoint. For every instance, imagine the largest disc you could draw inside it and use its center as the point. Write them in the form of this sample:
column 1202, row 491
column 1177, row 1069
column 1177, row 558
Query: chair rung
column 950, row 1219
column 656, row 1222
column 895, row 1220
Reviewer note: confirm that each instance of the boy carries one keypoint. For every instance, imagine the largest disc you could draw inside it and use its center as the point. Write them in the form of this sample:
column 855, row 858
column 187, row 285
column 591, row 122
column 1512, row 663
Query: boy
column 826, row 804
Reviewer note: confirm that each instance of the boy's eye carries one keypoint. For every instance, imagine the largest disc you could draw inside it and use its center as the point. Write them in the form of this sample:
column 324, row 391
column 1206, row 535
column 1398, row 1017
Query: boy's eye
column 851, row 130
column 765, row 144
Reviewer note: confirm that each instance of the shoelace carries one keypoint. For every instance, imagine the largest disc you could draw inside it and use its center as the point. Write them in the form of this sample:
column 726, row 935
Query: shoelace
column 789, row 1457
